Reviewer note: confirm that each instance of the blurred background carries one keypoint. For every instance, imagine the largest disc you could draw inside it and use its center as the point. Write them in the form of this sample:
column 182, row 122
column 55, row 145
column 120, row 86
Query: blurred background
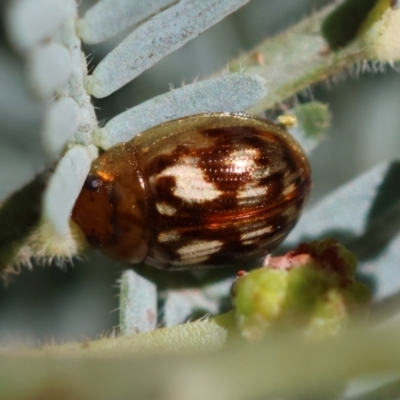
column 65, row 302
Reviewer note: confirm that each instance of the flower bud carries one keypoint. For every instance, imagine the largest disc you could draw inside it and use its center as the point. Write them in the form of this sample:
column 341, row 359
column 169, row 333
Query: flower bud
column 311, row 288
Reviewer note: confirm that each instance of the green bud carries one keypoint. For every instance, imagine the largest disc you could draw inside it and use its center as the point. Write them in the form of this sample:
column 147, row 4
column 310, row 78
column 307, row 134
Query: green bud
column 311, row 288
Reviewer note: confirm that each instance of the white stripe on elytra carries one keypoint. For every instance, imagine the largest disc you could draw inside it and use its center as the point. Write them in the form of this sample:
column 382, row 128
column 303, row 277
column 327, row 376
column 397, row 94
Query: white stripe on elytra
column 200, row 249
column 166, row 209
column 252, row 191
column 190, row 183
column 169, row 236
column 255, row 233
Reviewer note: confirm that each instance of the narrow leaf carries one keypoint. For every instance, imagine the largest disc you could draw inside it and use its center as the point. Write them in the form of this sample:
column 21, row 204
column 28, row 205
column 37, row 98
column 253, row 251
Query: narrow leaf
column 30, row 22
column 182, row 304
column 138, row 304
column 49, row 67
column 64, row 187
column 60, row 123
column 109, row 17
column 160, row 36
column 232, row 92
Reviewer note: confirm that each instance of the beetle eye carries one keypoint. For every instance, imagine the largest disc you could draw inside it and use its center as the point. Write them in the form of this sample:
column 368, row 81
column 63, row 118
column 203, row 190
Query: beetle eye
column 93, row 183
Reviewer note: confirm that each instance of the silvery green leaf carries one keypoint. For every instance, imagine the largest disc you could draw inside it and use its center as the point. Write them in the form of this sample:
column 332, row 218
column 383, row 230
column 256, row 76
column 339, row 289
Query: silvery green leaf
column 155, row 39
column 138, row 304
column 231, row 92
column 181, row 304
column 49, row 67
column 60, row 123
column 30, row 22
column 109, row 17
column 64, row 187
column 344, row 211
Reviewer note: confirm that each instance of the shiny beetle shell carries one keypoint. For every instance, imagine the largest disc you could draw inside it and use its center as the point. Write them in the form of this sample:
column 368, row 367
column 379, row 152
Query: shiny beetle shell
column 205, row 190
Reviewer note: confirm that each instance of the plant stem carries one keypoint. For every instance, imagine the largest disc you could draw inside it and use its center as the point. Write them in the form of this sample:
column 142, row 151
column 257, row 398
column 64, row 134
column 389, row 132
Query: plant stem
column 208, row 334
column 296, row 59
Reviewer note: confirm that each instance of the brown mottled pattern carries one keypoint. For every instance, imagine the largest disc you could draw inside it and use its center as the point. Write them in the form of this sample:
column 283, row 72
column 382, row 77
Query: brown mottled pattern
column 205, row 190
column 228, row 217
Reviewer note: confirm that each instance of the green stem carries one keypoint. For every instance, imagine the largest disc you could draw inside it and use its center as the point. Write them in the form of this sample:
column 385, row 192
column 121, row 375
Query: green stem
column 209, row 334
column 285, row 366
column 296, row 59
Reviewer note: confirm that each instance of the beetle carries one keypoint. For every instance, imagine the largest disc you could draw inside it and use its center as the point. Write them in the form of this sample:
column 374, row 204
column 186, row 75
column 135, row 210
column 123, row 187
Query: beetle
column 205, row 190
